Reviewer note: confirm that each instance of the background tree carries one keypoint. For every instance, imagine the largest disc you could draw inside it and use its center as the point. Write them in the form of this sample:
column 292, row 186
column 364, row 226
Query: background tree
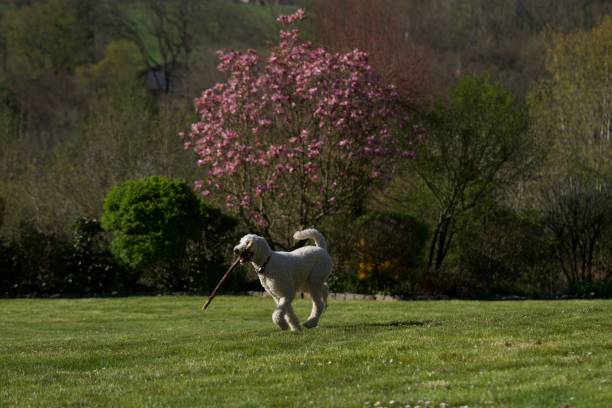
column 45, row 42
column 291, row 141
column 125, row 136
column 120, row 68
column 499, row 37
column 379, row 28
column 572, row 106
column 46, row 36
column 163, row 32
column 475, row 146
column 576, row 212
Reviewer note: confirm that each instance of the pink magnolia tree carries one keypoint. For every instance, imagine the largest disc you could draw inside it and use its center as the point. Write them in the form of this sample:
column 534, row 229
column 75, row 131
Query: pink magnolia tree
column 294, row 137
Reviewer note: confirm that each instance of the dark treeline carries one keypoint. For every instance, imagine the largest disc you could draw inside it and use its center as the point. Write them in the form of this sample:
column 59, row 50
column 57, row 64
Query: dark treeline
column 507, row 195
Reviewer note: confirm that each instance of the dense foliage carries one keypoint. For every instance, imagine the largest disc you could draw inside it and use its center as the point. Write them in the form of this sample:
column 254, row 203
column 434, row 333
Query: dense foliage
column 383, row 252
column 39, row 263
column 506, row 105
column 163, row 238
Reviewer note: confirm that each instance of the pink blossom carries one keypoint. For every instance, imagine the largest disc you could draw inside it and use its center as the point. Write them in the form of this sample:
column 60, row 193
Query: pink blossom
column 300, row 117
column 292, row 18
column 230, row 201
column 376, row 173
column 260, row 189
column 244, row 203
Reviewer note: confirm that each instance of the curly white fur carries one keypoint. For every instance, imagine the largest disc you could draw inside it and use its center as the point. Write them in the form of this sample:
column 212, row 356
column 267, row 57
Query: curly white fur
column 284, row 274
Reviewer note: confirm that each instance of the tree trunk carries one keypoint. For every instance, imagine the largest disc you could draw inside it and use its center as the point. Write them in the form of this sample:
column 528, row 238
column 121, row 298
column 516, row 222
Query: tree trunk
column 444, row 242
column 440, row 243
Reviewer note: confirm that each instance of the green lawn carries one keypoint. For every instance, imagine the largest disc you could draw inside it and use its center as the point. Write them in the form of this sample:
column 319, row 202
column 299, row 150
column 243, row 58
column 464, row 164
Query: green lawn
column 163, row 351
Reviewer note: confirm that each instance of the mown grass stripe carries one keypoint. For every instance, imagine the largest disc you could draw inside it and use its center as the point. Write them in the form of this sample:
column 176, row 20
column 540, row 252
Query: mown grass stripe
column 163, row 351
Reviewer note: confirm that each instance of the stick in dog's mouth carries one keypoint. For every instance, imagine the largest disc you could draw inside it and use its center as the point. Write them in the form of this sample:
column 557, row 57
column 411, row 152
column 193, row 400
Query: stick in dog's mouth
column 214, row 292
column 245, row 256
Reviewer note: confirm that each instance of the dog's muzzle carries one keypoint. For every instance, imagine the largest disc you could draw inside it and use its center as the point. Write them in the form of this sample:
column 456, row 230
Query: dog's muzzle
column 245, row 255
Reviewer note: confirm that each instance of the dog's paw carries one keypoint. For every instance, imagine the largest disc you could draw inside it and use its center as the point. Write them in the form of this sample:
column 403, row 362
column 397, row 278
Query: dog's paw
column 279, row 320
column 281, row 324
column 310, row 324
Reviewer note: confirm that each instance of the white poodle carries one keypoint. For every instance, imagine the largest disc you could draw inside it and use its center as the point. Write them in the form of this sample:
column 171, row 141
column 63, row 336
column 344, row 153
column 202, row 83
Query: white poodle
column 284, row 274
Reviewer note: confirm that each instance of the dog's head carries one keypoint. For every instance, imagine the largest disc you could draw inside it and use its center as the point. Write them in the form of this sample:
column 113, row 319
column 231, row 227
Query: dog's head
column 252, row 247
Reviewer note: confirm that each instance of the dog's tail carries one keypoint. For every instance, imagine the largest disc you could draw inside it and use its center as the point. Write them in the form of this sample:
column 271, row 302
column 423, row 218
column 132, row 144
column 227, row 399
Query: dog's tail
column 313, row 234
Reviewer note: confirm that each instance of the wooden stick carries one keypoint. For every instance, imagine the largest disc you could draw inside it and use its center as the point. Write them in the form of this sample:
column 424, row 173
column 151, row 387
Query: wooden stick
column 214, row 292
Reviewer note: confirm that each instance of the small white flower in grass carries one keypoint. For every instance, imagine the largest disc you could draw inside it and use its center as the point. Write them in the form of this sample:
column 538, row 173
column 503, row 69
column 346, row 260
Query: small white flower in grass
column 392, row 402
column 377, row 404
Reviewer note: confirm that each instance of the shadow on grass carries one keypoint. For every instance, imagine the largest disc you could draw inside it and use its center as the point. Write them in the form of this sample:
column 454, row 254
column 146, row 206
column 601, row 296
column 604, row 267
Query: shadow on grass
column 396, row 324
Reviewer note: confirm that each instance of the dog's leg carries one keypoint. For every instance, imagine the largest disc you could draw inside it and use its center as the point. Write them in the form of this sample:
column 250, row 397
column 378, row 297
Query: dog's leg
column 318, row 295
column 278, row 316
column 325, row 290
column 291, row 319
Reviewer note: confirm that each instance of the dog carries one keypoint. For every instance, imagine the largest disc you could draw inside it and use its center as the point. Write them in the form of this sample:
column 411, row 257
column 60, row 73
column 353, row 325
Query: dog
column 284, row 274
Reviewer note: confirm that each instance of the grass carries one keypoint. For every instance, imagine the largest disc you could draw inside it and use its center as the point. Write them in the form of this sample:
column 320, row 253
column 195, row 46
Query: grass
column 163, row 351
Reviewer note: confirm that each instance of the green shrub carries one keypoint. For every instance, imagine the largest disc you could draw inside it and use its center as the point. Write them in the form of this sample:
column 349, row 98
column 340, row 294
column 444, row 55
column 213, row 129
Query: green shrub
column 91, row 267
column 151, row 219
column 33, row 262
column 170, row 236
column 205, row 259
column 2, row 205
column 502, row 252
column 384, row 253
column 9, row 267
